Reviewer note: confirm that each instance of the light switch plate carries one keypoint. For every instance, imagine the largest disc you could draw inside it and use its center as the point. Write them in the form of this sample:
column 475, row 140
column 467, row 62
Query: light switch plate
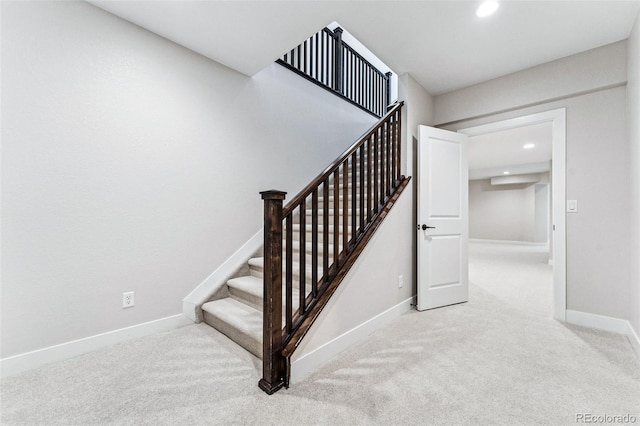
column 572, row 206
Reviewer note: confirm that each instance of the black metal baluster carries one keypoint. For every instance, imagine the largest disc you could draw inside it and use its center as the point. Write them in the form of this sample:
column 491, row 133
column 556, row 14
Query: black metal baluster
column 311, row 56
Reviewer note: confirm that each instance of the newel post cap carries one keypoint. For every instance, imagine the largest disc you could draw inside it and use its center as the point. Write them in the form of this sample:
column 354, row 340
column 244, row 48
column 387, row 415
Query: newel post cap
column 273, row 194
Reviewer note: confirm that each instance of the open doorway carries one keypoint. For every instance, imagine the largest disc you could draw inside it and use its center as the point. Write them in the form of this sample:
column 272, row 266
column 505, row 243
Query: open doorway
column 532, row 173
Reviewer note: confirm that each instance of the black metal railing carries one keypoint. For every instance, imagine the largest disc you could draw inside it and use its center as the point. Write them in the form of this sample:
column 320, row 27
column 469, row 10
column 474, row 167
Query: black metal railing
column 331, row 63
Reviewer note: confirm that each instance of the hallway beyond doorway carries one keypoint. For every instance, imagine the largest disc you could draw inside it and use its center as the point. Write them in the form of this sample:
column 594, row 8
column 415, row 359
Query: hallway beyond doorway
column 517, row 274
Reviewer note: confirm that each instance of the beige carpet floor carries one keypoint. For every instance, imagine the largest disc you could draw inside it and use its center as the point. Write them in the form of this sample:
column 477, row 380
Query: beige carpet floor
column 499, row 359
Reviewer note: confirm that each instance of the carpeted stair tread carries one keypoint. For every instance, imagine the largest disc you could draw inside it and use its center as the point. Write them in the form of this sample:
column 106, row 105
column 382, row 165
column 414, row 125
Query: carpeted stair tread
column 247, row 289
column 256, row 266
column 238, row 321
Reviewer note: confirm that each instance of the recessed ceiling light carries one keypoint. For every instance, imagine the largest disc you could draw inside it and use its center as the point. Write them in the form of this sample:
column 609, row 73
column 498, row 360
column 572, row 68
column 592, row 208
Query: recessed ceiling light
column 487, row 8
column 506, row 172
column 529, row 145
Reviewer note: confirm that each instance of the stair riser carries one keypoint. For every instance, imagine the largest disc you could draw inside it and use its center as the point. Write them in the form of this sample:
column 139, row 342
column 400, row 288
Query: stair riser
column 309, row 235
column 257, row 303
column 250, row 344
column 259, row 273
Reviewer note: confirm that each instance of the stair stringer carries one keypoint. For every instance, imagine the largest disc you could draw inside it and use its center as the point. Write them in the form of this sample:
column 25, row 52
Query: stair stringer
column 368, row 297
column 215, row 285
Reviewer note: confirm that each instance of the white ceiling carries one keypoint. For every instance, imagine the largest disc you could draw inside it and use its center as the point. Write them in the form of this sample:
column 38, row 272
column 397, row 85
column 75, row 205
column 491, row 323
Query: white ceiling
column 442, row 44
column 494, row 153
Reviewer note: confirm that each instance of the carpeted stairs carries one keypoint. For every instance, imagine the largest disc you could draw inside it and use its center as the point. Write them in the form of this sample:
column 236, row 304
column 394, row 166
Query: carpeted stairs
column 239, row 315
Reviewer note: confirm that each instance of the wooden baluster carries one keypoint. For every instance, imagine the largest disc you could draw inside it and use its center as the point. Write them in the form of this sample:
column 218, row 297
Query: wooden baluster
column 325, row 231
column 336, row 217
column 288, row 280
column 345, row 206
column 388, row 160
column 354, row 197
column 362, row 188
column 273, row 363
column 399, row 144
column 376, row 175
column 369, row 170
column 303, row 256
column 314, row 243
column 392, row 152
column 383, row 150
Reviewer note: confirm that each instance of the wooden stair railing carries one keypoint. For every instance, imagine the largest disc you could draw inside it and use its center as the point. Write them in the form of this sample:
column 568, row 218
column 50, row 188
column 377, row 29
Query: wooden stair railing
column 347, row 202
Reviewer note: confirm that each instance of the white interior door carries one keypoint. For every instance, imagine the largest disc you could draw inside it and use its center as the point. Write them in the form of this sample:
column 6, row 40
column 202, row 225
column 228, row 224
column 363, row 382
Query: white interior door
column 443, row 218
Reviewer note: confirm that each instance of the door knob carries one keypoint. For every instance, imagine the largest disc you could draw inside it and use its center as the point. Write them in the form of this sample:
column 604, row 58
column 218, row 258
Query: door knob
column 425, row 227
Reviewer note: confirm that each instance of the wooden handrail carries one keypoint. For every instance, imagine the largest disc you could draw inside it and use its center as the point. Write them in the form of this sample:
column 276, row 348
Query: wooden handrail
column 348, row 200
column 291, row 344
column 307, row 190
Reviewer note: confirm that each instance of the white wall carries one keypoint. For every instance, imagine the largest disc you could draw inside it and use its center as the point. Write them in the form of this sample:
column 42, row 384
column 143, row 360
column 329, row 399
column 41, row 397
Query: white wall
column 633, row 104
column 506, row 212
column 132, row 164
column 419, row 111
column 369, row 296
column 542, row 214
column 597, row 165
column 602, row 67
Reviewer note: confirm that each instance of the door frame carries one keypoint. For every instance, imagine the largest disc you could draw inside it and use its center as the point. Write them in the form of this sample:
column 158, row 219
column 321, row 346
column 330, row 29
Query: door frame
column 558, row 188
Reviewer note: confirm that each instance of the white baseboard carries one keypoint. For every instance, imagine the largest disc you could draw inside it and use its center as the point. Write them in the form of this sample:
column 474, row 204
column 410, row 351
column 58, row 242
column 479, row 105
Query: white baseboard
column 30, row 360
column 600, row 322
column 633, row 339
column 309, row 363
column 201, row 294
column 520, row 243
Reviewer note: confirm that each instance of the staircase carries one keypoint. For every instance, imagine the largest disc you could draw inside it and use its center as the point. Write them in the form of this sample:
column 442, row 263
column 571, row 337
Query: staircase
column 311, row 243
column 309, row 246
column 240, row 315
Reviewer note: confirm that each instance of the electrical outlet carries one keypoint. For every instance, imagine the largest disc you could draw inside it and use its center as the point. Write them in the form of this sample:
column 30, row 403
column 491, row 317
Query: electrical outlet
column 127, row 299
column 400, row 281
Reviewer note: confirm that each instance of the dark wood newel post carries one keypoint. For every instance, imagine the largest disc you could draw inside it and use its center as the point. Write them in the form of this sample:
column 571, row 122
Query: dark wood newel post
column 273, row 363
column 338, row 65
